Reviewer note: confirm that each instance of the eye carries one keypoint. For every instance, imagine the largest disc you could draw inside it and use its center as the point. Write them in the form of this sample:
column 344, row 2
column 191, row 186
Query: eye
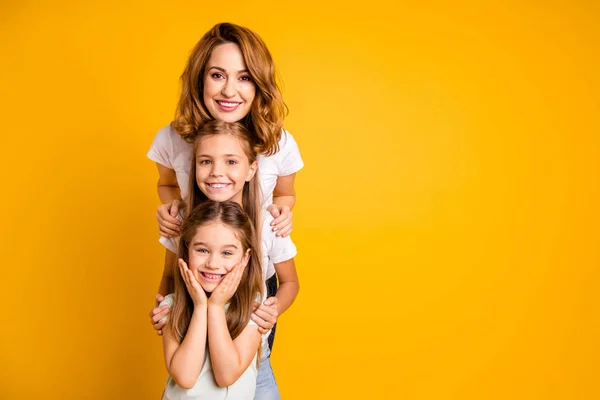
column 204, row 162
column 217, row 75
column 231, row 162
column 246, row 78
column 202, row 251
column 227, row 253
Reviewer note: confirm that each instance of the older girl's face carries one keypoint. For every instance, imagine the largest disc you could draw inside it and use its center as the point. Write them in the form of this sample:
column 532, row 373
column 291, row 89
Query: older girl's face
column 222, row 167
column 228, row 88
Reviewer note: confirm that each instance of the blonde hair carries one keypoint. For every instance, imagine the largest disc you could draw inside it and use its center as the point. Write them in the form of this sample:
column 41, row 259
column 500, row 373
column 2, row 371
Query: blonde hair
column 265, row 119
column 241, row 304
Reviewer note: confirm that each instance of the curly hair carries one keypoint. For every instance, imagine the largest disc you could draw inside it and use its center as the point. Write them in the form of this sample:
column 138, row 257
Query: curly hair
column 265, row 119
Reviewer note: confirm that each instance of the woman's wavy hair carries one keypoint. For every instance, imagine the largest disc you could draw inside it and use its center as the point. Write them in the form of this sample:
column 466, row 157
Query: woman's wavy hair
column 265, row 119
column 241, row 304
column 251, row 195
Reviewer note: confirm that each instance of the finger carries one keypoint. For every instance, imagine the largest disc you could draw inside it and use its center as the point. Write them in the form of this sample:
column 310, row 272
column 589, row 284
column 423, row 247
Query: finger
column 159, row 297
column 284, row 219
column 285, row 233
column 166, row 231
column 159, row 325
column 158, row 310
column 266, row 314
column 274, row 210
column 158, row 316
column 262, row 331
column 261, row 322
column 168, row 223
column 174, row 208
column 271, row 301
column 159, row 332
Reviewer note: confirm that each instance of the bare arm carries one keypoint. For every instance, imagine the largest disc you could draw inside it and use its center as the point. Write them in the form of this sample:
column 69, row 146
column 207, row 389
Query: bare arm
column 229, row 358
column 284, row 193
column 166, row 282
column 168, row 188
column 288, row 285
column 184, row 360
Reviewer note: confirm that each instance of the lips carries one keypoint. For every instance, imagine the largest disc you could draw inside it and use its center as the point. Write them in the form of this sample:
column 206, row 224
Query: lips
column 228, row 105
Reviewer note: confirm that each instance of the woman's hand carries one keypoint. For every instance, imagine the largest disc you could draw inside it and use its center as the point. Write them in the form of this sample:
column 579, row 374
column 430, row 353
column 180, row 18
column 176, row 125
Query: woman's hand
column 227, row 287
column 166, row 215
column 282, row 224
column 193, row 286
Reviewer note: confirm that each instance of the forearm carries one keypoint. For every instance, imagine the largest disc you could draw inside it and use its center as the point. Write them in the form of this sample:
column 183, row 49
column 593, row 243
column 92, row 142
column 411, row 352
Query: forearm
column 188, row 359
column 224, row 356
column 166, row 282
column 284, row 200
column 168, row 193
column 286, row 294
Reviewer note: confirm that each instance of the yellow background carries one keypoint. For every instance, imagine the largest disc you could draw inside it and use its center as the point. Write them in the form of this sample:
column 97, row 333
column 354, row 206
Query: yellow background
column 447, row 216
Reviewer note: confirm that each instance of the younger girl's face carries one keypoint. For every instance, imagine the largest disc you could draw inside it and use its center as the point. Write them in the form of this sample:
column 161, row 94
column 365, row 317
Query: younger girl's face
column 228, row 88
column 222, row 167
column 213, row 252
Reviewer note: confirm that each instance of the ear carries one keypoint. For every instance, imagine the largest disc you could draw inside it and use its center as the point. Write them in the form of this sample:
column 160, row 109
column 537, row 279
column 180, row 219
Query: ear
column 252, row 171
column 246, row 258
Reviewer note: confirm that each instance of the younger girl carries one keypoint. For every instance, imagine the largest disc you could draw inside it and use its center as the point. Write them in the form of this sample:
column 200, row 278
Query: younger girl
column 210, row 344
column 224, row 169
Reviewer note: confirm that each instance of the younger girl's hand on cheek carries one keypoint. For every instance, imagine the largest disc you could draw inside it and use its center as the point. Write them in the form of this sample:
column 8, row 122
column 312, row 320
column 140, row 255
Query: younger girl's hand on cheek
column 193, row 286
column 227, row 287
column 282, row 224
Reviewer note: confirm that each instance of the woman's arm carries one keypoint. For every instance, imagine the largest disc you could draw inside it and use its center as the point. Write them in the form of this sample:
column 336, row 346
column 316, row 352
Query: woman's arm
column 170, row 195
column 284, row 198
column 184, row 360
column 284, row 193
column 229, row 358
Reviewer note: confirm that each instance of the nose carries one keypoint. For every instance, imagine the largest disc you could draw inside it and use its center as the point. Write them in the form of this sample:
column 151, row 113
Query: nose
column 216, row 169
column 211, row 263
column 230, row 88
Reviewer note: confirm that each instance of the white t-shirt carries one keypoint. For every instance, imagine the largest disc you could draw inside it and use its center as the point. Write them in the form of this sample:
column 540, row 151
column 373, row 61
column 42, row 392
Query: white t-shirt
column 205, row 387
column 170, row 150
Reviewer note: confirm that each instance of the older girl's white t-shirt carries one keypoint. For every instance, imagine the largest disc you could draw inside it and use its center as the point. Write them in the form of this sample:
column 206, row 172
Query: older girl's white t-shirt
column 171, row 151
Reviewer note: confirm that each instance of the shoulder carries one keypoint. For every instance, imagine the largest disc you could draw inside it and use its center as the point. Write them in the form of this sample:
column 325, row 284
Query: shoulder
column 168, row 301
column 287, row 141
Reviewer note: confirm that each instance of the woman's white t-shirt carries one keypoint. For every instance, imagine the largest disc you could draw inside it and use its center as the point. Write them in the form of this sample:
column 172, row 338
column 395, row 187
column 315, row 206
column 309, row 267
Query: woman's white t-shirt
column 170, row 150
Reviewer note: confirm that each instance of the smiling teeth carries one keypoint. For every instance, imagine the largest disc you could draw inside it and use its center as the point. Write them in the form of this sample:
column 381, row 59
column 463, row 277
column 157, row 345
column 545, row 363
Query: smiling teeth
column 211, row 276
column 228, row 104
column 218, row 185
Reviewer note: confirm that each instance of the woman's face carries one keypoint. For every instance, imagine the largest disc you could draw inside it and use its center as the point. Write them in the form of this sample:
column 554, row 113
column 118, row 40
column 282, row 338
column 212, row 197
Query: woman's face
column 228, row 87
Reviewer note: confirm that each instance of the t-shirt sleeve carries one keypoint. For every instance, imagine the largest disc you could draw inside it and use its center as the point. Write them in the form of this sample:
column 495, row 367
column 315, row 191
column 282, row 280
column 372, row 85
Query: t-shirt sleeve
column 168, row 301
column 290, row 160
column 161, row 150
column 283, row 249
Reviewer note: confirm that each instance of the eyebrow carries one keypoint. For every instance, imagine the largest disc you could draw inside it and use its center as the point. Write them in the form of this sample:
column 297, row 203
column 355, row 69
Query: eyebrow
column 223, row 69
column 204, row 244
column 224, row 155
